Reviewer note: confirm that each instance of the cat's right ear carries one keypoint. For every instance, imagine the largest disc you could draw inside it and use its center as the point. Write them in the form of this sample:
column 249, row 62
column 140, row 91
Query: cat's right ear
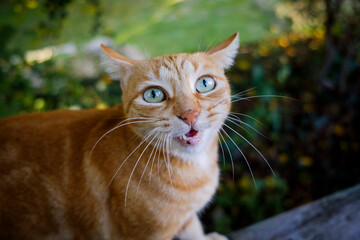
column 224, row 53
column 117, row 66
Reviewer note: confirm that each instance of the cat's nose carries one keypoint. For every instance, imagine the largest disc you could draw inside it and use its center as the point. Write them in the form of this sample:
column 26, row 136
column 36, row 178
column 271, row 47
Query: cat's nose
column 189, row 117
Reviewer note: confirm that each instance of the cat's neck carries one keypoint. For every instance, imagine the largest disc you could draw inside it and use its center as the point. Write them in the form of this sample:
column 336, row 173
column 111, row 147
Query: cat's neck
column 200, row 159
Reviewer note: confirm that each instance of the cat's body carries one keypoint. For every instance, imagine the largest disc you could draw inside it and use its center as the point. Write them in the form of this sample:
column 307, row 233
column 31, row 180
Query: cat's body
column 139, row 170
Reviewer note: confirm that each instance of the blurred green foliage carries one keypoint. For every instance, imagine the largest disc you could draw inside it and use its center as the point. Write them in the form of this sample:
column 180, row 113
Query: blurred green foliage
column 312, row 139
column 306, row 50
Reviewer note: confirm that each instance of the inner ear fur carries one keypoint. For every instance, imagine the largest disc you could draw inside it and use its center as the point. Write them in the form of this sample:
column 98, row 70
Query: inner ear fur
column 224, row 53
column 116, row 65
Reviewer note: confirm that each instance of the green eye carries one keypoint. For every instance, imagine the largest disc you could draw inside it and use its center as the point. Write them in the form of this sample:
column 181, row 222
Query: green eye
column 154, row 95
column 205, row 84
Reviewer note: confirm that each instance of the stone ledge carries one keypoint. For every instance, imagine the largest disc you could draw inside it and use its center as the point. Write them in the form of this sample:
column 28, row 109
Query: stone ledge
column 335, row 217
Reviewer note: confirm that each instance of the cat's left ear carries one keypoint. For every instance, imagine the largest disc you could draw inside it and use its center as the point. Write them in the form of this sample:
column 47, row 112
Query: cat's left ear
column 117, row 66
column 224, row 53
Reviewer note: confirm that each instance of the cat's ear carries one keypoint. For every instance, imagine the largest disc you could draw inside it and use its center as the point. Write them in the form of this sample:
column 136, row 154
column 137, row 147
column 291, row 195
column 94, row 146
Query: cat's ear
column 224, row 53
column 117, row 66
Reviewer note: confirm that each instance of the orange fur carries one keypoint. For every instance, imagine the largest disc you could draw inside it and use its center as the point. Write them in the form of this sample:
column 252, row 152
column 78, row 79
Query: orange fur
column 91, row 174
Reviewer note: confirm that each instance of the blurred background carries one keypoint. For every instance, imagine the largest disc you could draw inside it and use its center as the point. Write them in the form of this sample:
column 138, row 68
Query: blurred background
column 302, row 49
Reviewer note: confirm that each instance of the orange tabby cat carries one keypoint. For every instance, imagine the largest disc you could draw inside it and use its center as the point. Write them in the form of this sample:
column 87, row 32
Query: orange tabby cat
column 141, row 170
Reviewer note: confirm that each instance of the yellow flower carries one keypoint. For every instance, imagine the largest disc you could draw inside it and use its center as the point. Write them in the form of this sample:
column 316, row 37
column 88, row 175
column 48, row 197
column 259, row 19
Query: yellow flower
column 270, row 182
column 101, row 106
column 319, row 33
column 283, row 158
column 39, row 104
column 284, row 42
column 306, row 161
column 293, row 37
column 315, row 44
column 106, row 79
column 338, row 130
column 264, row 50
column 308, row 107
column 244, row 64
column 245, row 182
column 32, row 4
column 290, row 51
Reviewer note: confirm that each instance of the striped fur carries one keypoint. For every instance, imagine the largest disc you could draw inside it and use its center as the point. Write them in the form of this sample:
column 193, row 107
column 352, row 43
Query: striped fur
column 120, row 173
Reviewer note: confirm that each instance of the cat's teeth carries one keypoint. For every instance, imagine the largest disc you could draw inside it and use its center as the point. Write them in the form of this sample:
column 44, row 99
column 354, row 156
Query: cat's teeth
column 191, row 139
column 183, row 137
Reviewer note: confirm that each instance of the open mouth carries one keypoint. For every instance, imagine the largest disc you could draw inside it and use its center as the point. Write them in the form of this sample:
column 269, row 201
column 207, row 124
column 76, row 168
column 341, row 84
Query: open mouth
column 190, row 138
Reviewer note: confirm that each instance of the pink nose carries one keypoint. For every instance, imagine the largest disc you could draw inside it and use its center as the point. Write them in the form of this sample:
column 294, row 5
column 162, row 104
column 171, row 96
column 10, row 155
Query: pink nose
column 189, row 117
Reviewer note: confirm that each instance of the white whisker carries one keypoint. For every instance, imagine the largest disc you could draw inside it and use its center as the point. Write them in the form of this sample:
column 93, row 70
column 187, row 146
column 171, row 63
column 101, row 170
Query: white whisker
column 121, row 124
column 132, row 172
column 167, row 161
column 222, row 149
column 247, row 162
column 161, row 146
column 235, row 120
column 233, row 96
column 157, row 145
column 262, row 96
column 147, row 163
column 243, row 92
column 144, row 139
column 168, row 152
column 267, row 162
column 231, row 158
column 245, row 115
column 238, row 125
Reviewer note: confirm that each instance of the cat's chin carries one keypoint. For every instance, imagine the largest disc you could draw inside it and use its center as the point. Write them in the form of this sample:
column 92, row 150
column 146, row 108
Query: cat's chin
column 194, row 146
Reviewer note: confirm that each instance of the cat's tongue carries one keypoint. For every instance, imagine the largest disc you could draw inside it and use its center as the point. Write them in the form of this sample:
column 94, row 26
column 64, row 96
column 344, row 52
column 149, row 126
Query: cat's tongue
column 192, row 133
column 190, row 138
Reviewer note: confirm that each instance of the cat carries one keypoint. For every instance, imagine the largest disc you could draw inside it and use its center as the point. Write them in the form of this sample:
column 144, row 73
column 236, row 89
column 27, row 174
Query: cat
column 141, row 170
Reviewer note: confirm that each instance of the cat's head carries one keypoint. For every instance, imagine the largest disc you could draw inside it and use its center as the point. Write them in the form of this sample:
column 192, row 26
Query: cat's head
column 179, row 101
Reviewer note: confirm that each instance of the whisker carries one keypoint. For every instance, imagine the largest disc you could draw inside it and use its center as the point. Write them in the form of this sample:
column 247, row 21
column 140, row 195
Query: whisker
column 221, row 101
column 132, row 172
column 262, row 96
column 267, row 162
column 245, row 115
column 238, row 125
column 234, row 120
column 146, row 53
column 239, row 97
column 231, row 158
column 166, row 163
column 247, row 162
column 161, row 145
column 211, row 43
column 243, row 92
column 144, row 139
column 199, row 46
column 157, row 144
column 222, row 149
column 114, row 128
column 140, row 118
column 163, row 148
column 147, row 163
column 232, row 96
column 168, row 152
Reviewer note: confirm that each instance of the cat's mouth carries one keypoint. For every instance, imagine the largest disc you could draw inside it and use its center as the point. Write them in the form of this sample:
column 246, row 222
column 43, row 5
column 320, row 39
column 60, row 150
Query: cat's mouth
column 191, row 138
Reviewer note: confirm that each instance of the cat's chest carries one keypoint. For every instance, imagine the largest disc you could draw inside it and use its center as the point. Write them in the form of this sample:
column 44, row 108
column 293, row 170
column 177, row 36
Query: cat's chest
column 165, row 203
column 187, row 190
column 168, row 205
